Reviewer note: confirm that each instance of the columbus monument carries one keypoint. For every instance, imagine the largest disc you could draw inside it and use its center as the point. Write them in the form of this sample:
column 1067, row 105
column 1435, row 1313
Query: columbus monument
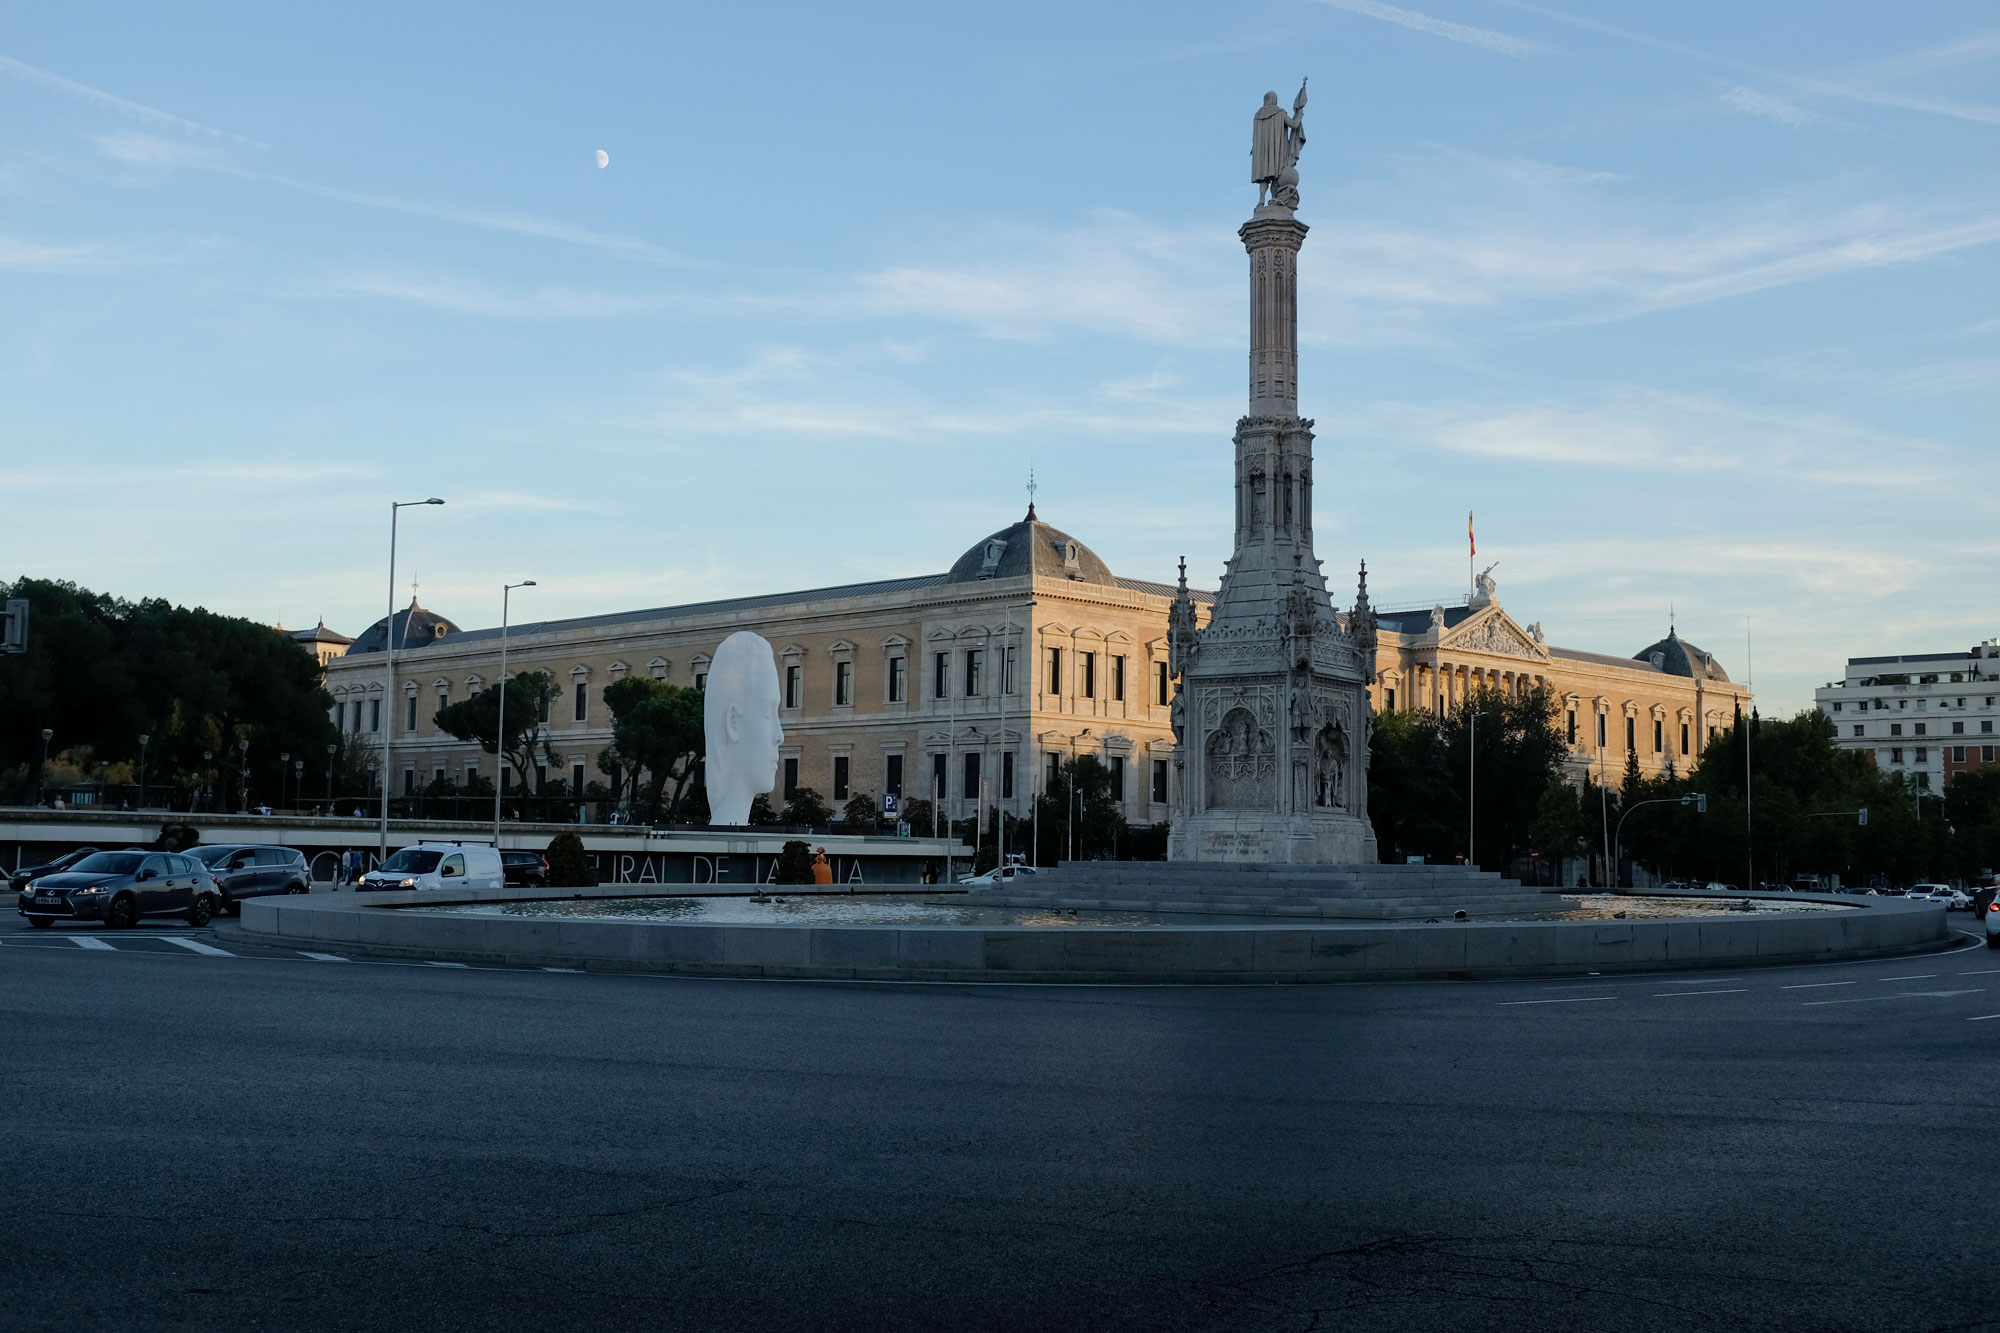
column 1271, row 713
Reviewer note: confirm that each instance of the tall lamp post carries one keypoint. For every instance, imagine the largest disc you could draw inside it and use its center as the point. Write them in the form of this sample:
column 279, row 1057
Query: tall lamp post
column 243, row 775
column 389, row 663
column 500, row 728
column 42, row 772
column 207, row 778
column 331, row 750
column 1007, row 680
column 284, row 761
column 144, row 741
column 1075, row 792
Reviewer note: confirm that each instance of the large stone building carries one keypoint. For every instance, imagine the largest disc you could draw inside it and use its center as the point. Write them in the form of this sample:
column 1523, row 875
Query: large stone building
column 1028, row 650
column 1930, row 716
column 1662, row 704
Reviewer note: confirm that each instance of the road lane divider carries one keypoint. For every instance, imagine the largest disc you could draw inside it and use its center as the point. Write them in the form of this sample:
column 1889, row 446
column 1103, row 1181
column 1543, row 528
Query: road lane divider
column 90, row 942
column 196, row 946
column 1574, row 999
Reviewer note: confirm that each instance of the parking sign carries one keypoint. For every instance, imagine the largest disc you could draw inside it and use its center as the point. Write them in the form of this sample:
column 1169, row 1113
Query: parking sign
column 892, row 805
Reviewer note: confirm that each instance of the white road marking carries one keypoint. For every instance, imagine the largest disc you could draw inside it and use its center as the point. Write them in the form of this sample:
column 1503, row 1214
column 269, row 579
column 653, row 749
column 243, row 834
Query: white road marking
column 1698, row 981
column 196, row 946
column 1983, row 972
column 1982, row 1018
column 89, row 942
column 1914, row 976
column 323, row 957
column 434, row 963
column 1900, row 995
column 1815, row 985
column 1580, row 999
column 562, row 969
column 1666, row 994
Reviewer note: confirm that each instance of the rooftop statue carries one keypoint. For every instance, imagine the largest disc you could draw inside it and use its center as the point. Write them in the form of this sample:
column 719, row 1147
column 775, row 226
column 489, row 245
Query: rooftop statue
column 740, row 713
column 1275, row 141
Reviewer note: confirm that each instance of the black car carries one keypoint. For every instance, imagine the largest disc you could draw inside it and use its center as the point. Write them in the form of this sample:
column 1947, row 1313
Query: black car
column 19, row 879
column 528, row 870
column 252, row 870
column 118, row 888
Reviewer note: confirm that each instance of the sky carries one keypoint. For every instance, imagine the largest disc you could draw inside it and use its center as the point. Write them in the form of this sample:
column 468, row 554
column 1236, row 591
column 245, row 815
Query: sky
column 1697, row 306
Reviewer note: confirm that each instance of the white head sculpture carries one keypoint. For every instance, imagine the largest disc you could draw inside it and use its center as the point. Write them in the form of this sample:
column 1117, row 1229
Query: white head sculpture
column 740, row 711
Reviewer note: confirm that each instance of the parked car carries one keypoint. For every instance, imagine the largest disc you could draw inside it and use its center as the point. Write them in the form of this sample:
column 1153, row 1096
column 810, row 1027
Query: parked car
column 1992, row 915
column 254, row 870
column 1015, row 873
column 118, row 888
column 438, row 865
column 19, row 879
column 526, row 869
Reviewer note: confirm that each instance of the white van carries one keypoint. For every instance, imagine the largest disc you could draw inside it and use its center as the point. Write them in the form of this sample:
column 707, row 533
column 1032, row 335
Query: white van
column 438, row 865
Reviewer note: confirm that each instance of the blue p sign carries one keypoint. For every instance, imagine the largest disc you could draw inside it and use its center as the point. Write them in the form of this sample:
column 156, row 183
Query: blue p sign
column 892, row 804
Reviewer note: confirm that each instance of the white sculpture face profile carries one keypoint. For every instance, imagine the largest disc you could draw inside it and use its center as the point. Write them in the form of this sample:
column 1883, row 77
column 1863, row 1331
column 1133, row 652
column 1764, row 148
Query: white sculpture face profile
column 740, row 715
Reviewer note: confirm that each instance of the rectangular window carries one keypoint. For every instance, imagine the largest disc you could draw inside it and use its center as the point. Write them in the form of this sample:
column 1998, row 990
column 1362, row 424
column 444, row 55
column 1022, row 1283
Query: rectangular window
column 1659, row 739
column 1958, row 754
column 576, row 779
column 409, row 782
column 1895, row 756
column 1159, row 782
column 1858, row 728
column 975, row 672
column 1118, row 677
column 1895, row 728
column 1684, row 738
column 1010, row 671
column 941, row 676
column 542, row 710
column 1055, row 771
column 1958, row 728
column 410, row 713
column 1600, row 730
column 1118, row 778
column 701, row 680
column 1924, row 780
column 1836, row 705
column 1007, row 775
column 374, row 715
column 1985, row 754
column 1389, row 699
column 893, row 783
column 581, row 712
column 444, row 700
column 843, row 684
column 1052, row 681
column 937, row 777
column 1920, row 728
column 840, row 777
column 899, row 680
column 541, row 779
column 1161, row 684
column 791, row 778
column 1923, row 754
column 1572, row 726
column 471, row 772
column 437, row 774
column 794, row 685
column 506, row 780
column 971, row 791
column 1089, row 667
column 1631, row 733
column 1985, row 727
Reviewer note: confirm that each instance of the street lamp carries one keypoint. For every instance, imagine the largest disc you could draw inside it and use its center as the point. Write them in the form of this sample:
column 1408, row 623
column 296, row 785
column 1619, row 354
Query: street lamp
column 1006, row 643
column 207, row 787
column 1699, row 800
column 284, row 758
column 299, row 781
column 144, row 741
column 330, row 751
column 389, row 661
column 1075, row 793
column 41, row 773
column 500, row 728
column 243, row 775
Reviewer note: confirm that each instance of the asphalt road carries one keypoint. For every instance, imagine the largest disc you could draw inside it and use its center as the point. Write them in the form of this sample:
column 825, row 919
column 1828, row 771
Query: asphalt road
column 255, row 1138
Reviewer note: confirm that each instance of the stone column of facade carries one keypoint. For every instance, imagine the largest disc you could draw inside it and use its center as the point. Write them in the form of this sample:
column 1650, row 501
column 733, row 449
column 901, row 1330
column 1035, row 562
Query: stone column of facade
column 1273, row 699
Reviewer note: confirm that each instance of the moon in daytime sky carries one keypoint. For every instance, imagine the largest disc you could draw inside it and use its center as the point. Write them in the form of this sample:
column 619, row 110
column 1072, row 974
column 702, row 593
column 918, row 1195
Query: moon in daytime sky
column 603, row 159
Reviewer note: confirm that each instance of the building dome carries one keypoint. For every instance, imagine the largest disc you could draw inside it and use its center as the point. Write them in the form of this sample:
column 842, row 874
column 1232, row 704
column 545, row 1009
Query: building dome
column 415, row 627
column 1677, row 657
column 1030, row 547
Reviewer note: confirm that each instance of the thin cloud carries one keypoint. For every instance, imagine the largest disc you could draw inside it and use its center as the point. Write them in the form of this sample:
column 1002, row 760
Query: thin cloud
column 112, row 102
column 17, row 255
column 1502, row 43
column 551, row 302
column 1774, row 109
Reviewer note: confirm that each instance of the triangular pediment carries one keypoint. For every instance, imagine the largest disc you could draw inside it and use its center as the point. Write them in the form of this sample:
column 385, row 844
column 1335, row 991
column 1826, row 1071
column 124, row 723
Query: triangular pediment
column 1493, row 632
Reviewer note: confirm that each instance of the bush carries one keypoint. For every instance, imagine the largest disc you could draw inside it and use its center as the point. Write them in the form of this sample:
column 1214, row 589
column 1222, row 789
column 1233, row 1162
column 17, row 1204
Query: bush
column 569, row 864
column 177, row 837
column 859, row 814
column 795, row 863
column 808, row 808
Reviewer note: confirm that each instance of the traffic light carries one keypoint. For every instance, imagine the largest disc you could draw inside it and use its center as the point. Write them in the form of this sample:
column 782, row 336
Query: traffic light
column 1862, row 816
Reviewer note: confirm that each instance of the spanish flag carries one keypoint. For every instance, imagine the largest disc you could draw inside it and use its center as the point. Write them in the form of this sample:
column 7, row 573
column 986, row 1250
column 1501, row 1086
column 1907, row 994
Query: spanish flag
column 1473, row 546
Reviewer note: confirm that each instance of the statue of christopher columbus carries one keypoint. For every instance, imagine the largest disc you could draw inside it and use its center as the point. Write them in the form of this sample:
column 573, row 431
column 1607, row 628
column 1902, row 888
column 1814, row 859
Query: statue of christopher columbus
column 1275, row 141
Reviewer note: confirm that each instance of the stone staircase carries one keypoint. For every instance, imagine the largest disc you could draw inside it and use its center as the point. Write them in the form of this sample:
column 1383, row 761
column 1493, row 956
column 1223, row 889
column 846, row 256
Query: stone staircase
column 1356, row 893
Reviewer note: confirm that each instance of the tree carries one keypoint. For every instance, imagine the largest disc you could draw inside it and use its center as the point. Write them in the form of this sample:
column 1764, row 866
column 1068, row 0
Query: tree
column 919, row 815
column 530, row 696
column 569, row 864
column 100, row 672
column 657, row 730
column 760, row 809
column 859, row 813
column 1079, row 788
column 795, row 863
column 807, row 808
